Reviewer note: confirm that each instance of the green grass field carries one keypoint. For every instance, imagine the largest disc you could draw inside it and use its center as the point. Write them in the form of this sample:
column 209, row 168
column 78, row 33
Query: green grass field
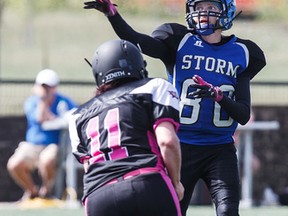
column 193, row 211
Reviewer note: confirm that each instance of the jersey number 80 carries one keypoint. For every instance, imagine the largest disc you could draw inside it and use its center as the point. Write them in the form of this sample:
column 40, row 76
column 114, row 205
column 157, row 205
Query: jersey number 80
column 195, row 105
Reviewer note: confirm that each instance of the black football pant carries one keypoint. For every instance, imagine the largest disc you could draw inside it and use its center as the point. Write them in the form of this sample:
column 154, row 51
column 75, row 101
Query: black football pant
column 217, row 166
column 143, row 195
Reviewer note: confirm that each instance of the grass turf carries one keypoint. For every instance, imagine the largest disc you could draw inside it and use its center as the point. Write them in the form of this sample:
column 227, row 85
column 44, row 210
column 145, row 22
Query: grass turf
column 63, row 209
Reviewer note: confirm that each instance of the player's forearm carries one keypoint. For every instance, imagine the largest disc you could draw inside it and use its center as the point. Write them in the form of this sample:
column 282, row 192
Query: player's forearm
column 149, row 45
column 122, row 29
column 239, row 111
column 240, row 108
column 172, row 160
column 171, row 155
column 168, row 143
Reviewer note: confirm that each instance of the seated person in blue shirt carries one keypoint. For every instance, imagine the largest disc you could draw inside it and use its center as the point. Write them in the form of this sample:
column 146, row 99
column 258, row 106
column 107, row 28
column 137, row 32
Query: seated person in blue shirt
column 40, row 149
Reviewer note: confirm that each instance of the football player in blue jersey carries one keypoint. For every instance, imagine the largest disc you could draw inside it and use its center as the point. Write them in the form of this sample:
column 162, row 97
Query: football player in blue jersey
column 126, row 138
column 212, row 74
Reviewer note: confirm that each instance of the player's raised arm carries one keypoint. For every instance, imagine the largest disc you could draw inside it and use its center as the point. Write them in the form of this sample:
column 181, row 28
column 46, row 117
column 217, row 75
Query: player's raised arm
column 149, row 45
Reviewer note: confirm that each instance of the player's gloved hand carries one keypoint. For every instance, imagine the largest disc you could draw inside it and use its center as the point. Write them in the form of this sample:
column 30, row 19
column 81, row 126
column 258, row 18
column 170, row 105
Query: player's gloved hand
column 104, row 6
column 205, row 89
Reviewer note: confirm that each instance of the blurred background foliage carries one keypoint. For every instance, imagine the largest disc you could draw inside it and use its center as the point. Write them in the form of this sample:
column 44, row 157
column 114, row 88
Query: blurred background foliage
column 35, row 34
column 265, row 9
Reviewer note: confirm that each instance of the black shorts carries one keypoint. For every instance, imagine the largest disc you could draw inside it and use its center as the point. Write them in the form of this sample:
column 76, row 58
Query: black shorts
column 146, row 194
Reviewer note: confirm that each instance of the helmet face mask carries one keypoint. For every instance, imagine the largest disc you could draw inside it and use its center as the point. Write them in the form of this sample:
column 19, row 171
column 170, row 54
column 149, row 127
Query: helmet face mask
column 224, row 18
column 118, row 59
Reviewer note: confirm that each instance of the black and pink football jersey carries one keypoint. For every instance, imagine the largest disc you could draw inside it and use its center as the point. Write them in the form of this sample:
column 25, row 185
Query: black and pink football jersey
column 115, row 130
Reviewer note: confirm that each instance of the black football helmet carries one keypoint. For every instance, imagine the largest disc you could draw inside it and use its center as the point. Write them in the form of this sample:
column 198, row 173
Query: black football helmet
column 118, row 59
column 225, row 17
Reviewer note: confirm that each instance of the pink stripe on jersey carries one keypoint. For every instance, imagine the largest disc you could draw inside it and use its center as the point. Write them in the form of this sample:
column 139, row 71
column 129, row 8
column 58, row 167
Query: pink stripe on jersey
column 176, row 124
column 86, row 157
column 155, row 149
column 172, row 191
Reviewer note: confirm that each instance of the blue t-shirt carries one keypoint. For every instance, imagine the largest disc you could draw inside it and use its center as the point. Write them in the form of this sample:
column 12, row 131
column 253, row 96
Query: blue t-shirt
column 35, row 133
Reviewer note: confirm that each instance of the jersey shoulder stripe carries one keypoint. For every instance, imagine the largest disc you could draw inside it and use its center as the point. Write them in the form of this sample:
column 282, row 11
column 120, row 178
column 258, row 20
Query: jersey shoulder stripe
column 162, row 92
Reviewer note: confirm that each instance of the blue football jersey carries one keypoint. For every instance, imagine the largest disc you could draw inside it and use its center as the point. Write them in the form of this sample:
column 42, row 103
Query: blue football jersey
column 202, row 120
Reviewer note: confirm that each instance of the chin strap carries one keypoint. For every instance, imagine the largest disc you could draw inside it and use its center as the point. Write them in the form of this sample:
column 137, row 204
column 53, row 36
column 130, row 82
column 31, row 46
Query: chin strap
column 204, row 29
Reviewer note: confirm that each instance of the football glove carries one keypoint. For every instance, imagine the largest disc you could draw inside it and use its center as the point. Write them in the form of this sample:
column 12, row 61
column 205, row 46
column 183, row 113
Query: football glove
column 205, row 89
column 104, row 6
